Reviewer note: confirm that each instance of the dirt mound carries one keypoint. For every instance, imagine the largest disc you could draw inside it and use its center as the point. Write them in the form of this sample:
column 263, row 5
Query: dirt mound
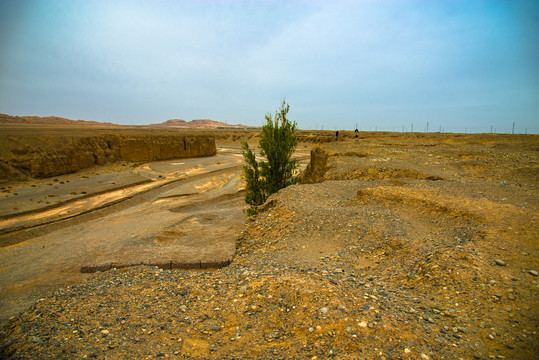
column 317, row 167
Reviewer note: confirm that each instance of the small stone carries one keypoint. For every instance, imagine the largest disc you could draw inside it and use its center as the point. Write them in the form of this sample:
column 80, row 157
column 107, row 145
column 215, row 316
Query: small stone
column 407, row 351
column 324, row 310
column 533, row 272
column 425, row 356
column 104, row 332
column 500, row 262
column 362, row 324
column 491, row 337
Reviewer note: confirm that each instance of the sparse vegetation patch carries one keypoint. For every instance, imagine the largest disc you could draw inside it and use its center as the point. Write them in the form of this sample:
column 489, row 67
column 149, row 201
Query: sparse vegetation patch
column 277, row 144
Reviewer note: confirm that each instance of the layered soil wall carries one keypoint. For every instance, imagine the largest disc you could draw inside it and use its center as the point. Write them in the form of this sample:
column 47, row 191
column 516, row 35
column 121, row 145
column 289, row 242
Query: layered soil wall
column 51, row 155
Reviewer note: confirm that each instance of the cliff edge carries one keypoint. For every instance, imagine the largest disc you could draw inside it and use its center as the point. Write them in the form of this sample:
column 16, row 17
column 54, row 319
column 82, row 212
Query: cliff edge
column 35, row 156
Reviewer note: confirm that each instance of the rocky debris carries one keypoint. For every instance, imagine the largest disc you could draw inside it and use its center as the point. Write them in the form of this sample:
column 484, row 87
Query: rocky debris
column 184, row 265
column 351, row 268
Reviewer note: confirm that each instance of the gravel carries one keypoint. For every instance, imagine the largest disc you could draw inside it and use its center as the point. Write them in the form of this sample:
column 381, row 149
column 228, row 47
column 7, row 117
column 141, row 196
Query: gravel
column 384, row 267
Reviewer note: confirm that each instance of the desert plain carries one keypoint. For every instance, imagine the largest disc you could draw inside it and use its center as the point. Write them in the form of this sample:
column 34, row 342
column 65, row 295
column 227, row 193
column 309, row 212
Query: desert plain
column 393, row 246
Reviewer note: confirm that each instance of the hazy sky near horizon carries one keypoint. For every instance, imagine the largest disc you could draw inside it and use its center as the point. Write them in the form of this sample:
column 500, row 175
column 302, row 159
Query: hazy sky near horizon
column 383, row 65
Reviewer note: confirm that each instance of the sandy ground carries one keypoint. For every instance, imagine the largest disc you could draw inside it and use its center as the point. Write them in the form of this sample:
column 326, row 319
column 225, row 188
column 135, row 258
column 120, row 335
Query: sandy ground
column 414, row 246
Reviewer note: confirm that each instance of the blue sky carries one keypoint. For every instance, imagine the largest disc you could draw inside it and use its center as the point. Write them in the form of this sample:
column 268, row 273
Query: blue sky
column 458, row 65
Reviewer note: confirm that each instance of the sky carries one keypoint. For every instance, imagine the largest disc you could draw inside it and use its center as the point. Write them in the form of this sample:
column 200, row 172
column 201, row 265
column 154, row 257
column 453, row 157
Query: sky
column 452, row 66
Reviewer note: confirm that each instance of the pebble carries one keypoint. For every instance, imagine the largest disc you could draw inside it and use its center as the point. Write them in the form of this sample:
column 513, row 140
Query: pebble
column 500, row 262
column 533, row 272
column 425, row 356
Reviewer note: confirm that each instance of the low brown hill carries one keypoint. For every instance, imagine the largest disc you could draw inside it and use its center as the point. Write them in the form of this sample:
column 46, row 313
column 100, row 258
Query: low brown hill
column 47, row 120
column 198, row 124
column 172, row 123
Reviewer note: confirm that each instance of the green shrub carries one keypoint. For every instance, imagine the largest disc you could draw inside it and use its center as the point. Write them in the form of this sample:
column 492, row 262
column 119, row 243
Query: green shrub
column 277, row 144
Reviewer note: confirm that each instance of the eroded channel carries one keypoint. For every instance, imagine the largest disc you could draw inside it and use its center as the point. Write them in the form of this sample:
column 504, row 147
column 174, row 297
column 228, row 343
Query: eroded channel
column 192, row 210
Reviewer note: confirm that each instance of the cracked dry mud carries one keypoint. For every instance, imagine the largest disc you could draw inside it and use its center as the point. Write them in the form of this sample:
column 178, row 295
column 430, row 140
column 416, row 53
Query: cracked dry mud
column 417, row 246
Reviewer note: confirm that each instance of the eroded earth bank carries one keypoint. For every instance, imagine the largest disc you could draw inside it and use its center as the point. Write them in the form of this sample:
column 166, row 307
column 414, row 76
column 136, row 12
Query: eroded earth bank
column 419, row 246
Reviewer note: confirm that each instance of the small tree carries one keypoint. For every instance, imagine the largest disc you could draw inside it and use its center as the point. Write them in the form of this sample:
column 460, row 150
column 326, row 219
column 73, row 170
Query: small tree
column 277, row 144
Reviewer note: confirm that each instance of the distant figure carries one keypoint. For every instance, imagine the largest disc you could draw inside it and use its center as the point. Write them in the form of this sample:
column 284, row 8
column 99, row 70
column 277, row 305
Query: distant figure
column 356, row 131
column 336, row 135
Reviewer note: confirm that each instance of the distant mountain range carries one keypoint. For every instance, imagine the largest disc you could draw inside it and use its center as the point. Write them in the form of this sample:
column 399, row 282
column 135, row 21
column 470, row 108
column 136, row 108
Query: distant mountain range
column 173, row 123
column 197, row 124
column 48, row 120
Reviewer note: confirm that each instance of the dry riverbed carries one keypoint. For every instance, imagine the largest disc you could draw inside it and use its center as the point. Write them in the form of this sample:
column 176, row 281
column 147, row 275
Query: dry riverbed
column 180, row 210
